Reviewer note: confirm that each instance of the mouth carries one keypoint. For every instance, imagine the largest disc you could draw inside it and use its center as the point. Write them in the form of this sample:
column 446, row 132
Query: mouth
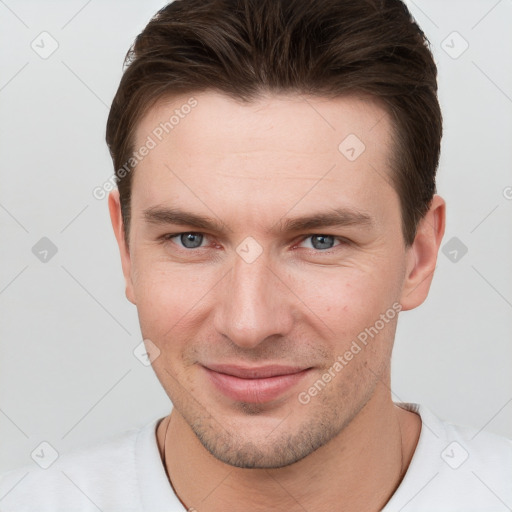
column 257, row 384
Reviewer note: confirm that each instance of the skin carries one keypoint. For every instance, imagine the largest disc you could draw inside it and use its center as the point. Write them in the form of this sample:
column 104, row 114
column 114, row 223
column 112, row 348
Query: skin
column 251, row 167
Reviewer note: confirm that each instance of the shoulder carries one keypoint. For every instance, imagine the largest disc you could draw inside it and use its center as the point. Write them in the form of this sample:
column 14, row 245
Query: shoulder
column 456, row 468
column 83, row 479
column 482, row 451
column 480, row 463
column 487, row 450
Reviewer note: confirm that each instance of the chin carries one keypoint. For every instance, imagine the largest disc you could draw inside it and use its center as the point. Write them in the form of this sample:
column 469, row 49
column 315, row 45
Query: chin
column 253, row 448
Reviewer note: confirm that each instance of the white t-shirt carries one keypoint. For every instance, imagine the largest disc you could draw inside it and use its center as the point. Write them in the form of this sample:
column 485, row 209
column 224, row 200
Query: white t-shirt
column 453, row 469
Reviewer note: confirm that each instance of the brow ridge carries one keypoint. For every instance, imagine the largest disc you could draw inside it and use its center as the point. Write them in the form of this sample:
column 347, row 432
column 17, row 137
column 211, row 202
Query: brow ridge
column 336, row 217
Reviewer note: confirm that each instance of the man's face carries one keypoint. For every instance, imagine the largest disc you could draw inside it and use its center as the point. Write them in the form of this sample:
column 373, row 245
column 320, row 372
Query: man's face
column 255, row 295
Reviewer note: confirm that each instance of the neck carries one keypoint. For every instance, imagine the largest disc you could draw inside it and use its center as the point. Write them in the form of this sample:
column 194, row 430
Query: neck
column 359, row 469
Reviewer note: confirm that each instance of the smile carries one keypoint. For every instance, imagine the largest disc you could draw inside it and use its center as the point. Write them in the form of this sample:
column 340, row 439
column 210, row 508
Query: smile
column 254, row 385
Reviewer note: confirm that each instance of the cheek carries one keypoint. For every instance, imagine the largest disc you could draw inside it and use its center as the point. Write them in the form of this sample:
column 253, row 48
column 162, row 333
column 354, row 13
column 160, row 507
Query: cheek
column 342, row 297
column 350, row 302
column 169, row 298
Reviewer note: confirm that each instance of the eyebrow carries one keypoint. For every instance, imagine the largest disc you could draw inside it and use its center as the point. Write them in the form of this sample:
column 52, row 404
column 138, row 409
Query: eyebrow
column 336, row 217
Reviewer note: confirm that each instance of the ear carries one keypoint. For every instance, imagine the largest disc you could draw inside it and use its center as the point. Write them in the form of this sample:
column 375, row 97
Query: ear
column 114, row 206
column 422, row 255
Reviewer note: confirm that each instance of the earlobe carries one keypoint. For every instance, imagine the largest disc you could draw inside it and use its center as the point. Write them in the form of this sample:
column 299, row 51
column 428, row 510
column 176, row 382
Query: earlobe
column 422, row 255
column 114, row 206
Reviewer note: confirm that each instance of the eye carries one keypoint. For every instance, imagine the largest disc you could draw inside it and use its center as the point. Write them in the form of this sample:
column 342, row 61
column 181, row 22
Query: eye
column 193, row 240
column 322, row 242
column 188, row 240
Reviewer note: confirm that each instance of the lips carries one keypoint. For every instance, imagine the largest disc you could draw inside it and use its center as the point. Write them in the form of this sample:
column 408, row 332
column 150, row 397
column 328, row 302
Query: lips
column 254, row 385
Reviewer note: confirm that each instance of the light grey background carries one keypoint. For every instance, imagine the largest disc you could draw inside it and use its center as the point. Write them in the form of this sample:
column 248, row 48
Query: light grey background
column 68, row 375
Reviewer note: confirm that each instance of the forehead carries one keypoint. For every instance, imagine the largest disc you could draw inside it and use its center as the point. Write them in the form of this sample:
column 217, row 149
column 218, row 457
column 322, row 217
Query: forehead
column 305, row 122
column 275, row 149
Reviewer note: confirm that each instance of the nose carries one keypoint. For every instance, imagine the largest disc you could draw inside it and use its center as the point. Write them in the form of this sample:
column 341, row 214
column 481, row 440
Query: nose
column 253, row 304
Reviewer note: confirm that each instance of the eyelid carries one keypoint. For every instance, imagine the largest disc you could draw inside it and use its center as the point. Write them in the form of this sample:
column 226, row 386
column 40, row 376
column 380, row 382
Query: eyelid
column 167, row 237
column 340, row 239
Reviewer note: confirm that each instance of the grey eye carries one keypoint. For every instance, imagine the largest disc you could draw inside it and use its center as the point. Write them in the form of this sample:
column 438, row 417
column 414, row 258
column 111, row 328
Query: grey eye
column 191, row 240
column 322, row 241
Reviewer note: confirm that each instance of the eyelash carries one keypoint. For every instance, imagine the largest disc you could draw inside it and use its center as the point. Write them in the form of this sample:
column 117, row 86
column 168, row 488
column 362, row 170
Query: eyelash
column 343, row 241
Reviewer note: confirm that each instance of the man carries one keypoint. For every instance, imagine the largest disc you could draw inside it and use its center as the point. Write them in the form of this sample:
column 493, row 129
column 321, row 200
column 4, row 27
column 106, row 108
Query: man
column 276, row 211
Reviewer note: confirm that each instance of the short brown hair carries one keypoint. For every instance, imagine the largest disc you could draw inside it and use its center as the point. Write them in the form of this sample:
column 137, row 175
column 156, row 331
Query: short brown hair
column 325, row 48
